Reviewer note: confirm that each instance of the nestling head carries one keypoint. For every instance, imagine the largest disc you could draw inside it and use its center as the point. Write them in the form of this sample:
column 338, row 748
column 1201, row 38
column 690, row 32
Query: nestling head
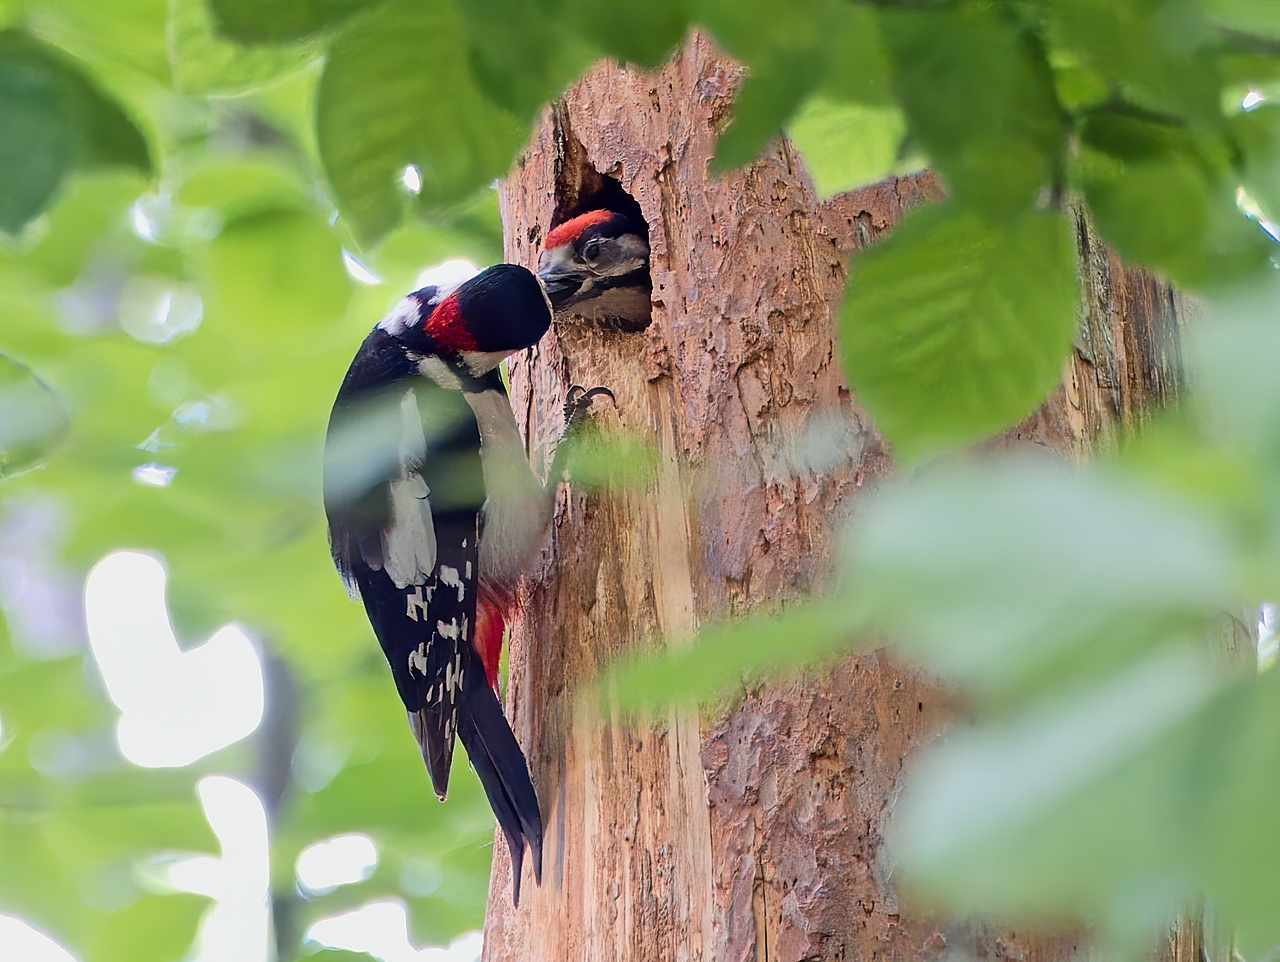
column 591, row 253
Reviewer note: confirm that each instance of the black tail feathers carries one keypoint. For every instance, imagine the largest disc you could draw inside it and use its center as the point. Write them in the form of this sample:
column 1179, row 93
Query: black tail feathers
column 496, row 756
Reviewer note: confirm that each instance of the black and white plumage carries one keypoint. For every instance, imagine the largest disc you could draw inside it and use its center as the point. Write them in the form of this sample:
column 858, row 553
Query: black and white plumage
column 433, row 515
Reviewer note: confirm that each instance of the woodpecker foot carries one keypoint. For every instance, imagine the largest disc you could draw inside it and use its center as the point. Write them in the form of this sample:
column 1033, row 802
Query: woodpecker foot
column 578, row 402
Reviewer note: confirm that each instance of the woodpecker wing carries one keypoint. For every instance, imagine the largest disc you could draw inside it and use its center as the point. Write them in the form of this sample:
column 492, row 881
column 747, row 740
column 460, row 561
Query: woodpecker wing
column 404, row 489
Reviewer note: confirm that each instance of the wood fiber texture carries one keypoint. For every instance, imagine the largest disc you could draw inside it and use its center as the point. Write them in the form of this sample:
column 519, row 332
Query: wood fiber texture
column 755, row 832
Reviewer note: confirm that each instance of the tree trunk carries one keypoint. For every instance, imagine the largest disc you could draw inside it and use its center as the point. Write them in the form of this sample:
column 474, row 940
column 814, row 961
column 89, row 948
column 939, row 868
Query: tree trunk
column 754, row 833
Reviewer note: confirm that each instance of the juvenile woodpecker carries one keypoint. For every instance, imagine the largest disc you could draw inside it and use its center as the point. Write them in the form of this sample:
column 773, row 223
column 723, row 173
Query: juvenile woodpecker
column 434, row 513
column 597, row 265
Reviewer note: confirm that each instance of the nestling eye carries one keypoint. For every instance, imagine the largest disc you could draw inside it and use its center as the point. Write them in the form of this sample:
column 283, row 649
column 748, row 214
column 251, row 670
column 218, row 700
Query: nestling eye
column 591, row 249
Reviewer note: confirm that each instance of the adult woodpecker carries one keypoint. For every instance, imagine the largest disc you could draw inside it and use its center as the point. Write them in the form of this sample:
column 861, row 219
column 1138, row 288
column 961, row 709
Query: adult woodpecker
column 597, row 265
column 434, row 513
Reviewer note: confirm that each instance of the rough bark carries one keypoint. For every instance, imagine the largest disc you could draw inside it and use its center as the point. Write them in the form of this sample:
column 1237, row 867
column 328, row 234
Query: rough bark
column 755, row 833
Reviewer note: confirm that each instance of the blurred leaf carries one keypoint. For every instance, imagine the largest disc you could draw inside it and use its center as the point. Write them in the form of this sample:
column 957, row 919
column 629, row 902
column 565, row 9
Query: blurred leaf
column 723, row 656
column 953, row 328
column 859, row 66
column 123, row 40
column 202, row 62
column 524, row 52
column 1163, row 209
column 615, row 460
column 1139, row 792
column 398, row 90
column 1154, row 54
column 767, row 98
column 40, row 135
column 1261, row 17
column 979, row 97
column 1257, row 132
column 32, row 419
column 1229, row 355
column 53, row 118
column 273, row 21
column 846, row 145
column 643, row 34
column 244, row 188
column 1020, row 575
column 156, row 928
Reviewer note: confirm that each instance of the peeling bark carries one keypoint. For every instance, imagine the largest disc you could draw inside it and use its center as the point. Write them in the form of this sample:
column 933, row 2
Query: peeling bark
column 755, row 833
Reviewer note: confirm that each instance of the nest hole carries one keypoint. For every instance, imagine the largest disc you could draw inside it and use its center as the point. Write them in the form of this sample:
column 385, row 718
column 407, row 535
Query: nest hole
column 579, row 189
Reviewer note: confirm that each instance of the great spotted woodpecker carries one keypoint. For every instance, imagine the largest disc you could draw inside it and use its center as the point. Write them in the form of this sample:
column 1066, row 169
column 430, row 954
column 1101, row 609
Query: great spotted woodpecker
column 597, row 265
column 434, row 513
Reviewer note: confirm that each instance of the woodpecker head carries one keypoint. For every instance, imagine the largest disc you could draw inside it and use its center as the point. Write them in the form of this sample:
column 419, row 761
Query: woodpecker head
column 592, row 253
column 475, row 323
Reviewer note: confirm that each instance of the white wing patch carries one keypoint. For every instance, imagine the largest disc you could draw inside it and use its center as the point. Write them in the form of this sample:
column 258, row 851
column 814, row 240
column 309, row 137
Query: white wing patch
column 409, row 541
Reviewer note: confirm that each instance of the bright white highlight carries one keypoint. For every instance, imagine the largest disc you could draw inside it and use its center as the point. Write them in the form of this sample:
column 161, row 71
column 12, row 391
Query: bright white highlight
column 340, row 860
column 155, row 310
column 20, row 942
column 237, row 926
column 412, row 179
column 381, row 929
column 177, row 706
column 448, row 275
column 1252, row 99
column 156, row 475
column 142, row 224
column 358, row 270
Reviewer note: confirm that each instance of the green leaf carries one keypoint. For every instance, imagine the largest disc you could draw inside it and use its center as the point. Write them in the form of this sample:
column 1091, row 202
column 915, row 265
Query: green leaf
column 722, row 656
column 769, row 95
column 643, row 34
column 979, row 98
column 53, row 117
column 963, row 566
column 1152, row 54
column 32, row 418
column 1257, row 132
column 275, row 21
column 398, row 90
column 1168, row 213
column 204, row 63
column 846, row 145
column 524, row 52
column 156, row 928
column 954, row 328
column 1260, row 17
column 39, row 141
column 785, row 62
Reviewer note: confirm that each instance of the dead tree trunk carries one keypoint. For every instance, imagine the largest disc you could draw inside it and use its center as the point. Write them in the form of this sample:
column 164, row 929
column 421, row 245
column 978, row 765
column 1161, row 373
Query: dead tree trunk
column 754, row 834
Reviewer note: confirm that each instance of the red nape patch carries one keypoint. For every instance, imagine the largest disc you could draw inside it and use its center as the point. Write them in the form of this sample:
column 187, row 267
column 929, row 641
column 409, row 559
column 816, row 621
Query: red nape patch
column 568, row 232
column 488, row 636
column 445, row 326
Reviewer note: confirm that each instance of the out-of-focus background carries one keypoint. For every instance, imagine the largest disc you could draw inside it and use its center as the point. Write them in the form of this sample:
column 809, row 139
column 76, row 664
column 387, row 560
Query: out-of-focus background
column 202, row 742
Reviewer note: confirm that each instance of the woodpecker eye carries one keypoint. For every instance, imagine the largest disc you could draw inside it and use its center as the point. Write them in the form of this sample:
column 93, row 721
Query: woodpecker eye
column 591, row 249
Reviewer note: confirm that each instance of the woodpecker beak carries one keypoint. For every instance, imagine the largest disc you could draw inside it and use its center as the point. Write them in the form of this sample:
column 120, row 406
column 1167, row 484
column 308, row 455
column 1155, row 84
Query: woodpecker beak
column 561, row 277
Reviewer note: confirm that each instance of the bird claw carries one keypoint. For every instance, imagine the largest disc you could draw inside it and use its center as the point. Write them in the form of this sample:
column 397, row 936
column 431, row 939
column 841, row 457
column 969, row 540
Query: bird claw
column 578, row 401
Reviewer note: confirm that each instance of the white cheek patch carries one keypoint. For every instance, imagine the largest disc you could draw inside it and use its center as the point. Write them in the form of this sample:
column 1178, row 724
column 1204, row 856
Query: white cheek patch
column 403, row 316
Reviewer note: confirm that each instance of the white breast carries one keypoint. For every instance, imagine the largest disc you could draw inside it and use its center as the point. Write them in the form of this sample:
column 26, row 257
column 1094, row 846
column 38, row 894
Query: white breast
column 517, row 509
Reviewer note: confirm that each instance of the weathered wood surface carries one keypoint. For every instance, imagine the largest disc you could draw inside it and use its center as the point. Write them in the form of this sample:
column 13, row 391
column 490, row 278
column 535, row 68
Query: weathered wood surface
column 757, row 833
